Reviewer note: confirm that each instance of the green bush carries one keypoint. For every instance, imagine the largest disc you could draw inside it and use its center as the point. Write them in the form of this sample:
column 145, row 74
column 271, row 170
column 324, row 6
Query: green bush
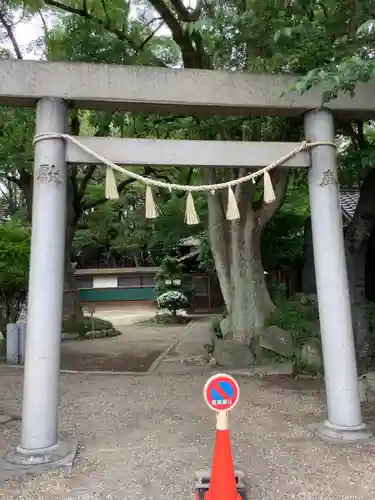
column 301, row 320
column 170, row 277
column 14, row 268
column 216, row 327
column 82, row 327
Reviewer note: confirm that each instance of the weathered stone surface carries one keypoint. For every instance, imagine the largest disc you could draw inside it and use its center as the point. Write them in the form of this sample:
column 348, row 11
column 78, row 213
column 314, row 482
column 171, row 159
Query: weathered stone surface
column 311, row 354
column 265, row 370
column 367, row 387
column 69, row 336
column 225, row 327
column 231, row 354
column 96, row 334
column 113, row 333
column 4, row 419
column 277, row 340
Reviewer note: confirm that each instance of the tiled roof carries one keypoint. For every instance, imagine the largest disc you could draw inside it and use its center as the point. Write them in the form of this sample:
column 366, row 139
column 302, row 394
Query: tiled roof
column 190, row 241
column 349, row 200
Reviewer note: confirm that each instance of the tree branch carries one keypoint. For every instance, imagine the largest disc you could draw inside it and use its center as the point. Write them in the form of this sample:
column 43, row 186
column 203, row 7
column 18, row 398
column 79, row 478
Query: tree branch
column 120, row 187
column 151, row 36
column 348, row 129
column 100, row 22
column 14, row 179
column 104, row 5
column 265, row 211
column 81, row 189
column 184, row 13
column 169, row 19
column 9, row 29
column 183, row 40
column 181, row 194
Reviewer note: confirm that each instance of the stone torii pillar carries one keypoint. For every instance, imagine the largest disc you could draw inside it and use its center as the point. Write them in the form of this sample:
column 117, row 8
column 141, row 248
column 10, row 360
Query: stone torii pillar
column 344, row 412
column 40, row 444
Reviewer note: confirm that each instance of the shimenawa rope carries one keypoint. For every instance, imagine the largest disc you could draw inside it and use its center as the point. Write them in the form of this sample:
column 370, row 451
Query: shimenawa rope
column 191, row 215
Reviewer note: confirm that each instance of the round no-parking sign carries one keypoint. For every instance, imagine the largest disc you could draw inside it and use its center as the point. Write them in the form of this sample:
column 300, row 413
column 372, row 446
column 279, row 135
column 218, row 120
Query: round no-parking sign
column 221, row 392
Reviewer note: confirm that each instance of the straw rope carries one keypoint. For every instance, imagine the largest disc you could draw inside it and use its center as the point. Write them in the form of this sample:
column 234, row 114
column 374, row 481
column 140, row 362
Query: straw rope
column 304, row 146
column 191, row 216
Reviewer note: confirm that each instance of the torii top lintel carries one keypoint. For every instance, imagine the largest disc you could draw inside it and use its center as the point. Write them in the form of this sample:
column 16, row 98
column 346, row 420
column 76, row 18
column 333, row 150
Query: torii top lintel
column 112, row 87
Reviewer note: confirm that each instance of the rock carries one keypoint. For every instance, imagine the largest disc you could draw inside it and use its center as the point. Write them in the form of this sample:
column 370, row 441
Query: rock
column 96, row 334
column 4, row 419
column 311, row 354
column 277, row 340
column 265, row 370
column 212, row 361
column 308, row 298
column 69, row 336
column 231, row 354
column 112, row 333
column 225, row 327
column 367, row 387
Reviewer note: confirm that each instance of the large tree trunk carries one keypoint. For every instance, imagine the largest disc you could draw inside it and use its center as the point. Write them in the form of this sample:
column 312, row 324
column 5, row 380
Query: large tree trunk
column 357, row 236
column 72, row 304
column 236, row 251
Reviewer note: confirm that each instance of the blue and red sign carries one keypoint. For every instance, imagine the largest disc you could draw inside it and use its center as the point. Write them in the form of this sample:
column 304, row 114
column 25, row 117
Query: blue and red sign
column 221, row 392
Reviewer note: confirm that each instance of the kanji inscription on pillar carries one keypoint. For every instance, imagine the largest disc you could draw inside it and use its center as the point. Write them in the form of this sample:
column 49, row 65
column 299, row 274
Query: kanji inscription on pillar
column 49, row 174
column 328, row 178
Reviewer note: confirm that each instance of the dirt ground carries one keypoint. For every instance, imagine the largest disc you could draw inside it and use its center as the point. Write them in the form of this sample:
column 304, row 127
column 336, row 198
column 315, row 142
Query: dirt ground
column 143, row 437
column 135, row 350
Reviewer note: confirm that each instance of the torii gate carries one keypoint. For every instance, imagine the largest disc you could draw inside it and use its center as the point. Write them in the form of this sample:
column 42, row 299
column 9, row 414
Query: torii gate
column 54, row 87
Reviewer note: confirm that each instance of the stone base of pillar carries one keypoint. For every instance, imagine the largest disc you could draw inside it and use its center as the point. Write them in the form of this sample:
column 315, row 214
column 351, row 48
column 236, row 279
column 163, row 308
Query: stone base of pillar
column 18, row 462
column 343, row 435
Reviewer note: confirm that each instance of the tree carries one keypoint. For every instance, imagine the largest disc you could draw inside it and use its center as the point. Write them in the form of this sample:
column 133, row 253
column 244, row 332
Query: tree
column 294, row 37
column 71, row 38
column 198, row 37
column 14, row 263
column 171, row 289
column 345, row 35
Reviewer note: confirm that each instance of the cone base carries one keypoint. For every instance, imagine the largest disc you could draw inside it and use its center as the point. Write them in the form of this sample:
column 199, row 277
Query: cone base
column 200, row 494
column 241, row 495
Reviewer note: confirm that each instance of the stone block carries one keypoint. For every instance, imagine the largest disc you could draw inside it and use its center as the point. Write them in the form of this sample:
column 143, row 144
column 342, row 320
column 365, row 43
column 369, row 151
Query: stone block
column 232, row 354
column 225, row 327
column 367, row 387
column 311, row 354
column 277, row 340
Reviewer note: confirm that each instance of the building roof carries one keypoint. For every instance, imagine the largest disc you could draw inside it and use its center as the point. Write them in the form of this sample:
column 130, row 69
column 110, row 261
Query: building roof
column 349, row 201
column 190, row 241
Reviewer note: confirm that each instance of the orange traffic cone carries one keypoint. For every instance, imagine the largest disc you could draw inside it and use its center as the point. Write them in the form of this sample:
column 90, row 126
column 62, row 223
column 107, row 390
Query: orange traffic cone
column 222, row 481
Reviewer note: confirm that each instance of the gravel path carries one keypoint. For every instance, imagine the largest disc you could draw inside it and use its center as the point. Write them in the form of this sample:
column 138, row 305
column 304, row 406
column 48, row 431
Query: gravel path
column 133, row 351
column 143, row 437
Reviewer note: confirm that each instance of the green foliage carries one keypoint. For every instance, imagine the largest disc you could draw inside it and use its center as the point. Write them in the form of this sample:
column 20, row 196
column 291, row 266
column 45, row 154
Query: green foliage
column 14, row 257
column 299, row 319
column 14, row 262
column 84, row 326
column 282, row 240
column 326, row 42
column 216, row 327
column 170, row 276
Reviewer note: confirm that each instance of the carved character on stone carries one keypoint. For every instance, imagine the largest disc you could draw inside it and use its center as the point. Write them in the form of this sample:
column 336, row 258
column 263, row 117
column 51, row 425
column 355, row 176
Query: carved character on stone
column 48, row 174
column 328, row 178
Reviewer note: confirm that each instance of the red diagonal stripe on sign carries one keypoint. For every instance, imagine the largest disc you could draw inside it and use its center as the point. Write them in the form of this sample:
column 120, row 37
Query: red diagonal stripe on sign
column 220, row 391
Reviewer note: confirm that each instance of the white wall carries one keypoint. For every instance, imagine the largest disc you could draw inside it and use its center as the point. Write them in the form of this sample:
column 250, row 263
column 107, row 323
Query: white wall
column 105, row 282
